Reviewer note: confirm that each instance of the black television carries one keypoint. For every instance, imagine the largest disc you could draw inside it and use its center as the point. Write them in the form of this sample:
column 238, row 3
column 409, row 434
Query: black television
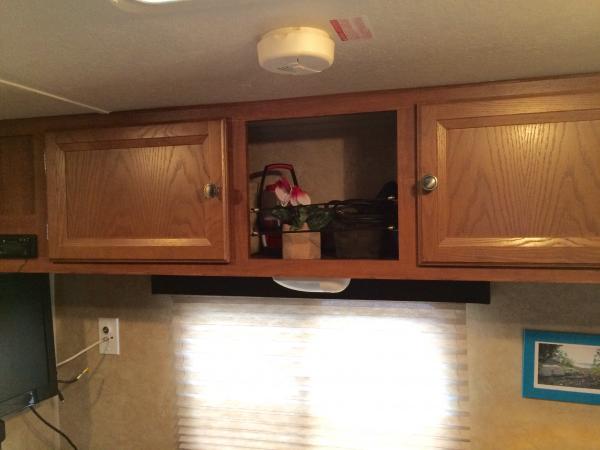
column 27, row 359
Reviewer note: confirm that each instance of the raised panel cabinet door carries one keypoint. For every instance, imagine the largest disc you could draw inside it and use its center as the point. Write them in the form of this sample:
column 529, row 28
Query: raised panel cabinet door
column 517, row 182
column 153, row 192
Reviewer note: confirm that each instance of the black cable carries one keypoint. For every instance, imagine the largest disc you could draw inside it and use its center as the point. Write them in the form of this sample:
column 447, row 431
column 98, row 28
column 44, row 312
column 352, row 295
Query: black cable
column 49, row 425
column 76, row 378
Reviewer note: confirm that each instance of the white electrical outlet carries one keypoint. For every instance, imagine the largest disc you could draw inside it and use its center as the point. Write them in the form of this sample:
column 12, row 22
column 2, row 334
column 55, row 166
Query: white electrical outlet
column 108, row 333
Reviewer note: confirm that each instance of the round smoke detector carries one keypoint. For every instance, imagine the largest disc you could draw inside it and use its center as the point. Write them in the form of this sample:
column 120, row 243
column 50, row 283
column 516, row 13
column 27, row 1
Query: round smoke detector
column 296, row 51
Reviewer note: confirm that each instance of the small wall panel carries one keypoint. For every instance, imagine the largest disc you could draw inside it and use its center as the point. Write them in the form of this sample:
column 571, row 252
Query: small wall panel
column 22, row 187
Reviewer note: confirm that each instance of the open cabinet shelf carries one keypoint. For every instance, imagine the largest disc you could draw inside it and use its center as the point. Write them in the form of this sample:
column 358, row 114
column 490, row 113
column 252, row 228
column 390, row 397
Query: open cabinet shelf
column 337, row 160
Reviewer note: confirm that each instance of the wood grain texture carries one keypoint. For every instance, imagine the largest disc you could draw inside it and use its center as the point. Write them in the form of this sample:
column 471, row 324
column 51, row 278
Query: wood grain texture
column 519, row 182
column 17, row 176
column 150, row 192
column 362, row 269
column 239, row 197
column 529, row 92
column 407, row 194
column 135, row 193
column 23, row 188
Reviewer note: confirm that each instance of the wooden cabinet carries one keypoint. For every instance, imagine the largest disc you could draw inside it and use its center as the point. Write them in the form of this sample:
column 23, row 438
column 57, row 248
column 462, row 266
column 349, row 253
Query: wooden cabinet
column 518, row 181
column 22, row 187
column 153, row 192
column 517, row 199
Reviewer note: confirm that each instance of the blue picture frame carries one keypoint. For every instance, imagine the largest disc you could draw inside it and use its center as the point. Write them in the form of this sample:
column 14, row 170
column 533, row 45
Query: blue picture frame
column 533, row 384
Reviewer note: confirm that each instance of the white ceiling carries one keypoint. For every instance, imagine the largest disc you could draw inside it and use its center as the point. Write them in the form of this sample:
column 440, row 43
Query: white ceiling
column 95, row 53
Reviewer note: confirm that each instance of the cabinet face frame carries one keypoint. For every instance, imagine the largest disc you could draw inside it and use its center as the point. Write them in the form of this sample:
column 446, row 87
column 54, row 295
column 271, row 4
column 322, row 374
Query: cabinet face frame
column 32, row 221
column 436, row 246
column 210, row 135
column 403, row 100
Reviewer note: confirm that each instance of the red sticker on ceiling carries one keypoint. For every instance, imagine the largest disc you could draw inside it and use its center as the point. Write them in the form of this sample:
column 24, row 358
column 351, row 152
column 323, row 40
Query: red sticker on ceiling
column 352, row 29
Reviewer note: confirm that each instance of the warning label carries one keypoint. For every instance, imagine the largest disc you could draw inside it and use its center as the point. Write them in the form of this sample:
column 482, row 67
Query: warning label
column 352, row 29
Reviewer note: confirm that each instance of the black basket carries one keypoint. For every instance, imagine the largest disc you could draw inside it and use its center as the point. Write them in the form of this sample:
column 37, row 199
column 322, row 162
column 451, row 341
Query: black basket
column 360, row 229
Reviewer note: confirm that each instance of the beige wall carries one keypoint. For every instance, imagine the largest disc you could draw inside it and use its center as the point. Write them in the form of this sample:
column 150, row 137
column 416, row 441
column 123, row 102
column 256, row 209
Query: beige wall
column 501, row 418
column 127, row 402
column 335, row 159
column 25, row 432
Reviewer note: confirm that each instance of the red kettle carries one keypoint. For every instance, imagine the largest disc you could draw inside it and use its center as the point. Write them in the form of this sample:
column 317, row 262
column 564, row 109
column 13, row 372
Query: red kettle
column 269, row 226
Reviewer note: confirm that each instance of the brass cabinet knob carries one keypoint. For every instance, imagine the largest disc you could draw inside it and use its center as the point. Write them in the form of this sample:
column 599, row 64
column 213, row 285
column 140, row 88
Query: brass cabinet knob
column 211, row 190
column 429, row 183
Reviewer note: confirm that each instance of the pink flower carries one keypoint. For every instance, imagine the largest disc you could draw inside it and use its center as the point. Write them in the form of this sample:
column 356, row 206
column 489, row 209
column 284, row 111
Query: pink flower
column 287, row 194
column 283, row 190
column 299, row 197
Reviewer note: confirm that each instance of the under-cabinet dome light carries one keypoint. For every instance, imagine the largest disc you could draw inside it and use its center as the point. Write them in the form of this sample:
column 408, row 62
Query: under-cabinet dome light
column 323, row 285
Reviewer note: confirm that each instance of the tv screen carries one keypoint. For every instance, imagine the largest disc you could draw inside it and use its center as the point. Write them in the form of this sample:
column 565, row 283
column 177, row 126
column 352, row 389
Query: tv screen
column 27, row 360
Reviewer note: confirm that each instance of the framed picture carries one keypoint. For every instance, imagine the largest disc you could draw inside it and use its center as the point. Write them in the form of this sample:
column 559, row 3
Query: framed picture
column 561, row 366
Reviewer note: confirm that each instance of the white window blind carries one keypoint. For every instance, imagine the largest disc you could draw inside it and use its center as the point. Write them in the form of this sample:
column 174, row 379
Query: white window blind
column 279, row 374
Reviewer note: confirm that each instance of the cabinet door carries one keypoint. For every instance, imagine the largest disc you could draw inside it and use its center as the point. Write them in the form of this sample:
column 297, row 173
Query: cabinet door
column 518, row 182
column 139, row 193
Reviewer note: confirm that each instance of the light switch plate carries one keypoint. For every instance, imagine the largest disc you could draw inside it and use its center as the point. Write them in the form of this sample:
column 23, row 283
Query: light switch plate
column 108, row 328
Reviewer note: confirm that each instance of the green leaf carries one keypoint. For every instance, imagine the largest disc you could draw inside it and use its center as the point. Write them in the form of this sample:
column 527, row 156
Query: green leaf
column 318, row 219
column 283, row 214
column 299, row 218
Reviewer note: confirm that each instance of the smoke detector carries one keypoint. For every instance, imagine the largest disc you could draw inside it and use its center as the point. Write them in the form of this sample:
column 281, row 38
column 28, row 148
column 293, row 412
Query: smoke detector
column 296, row 51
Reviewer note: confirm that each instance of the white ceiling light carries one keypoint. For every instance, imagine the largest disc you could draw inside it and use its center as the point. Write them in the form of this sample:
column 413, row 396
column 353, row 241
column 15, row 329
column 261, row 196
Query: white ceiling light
column 178, row 6
column 296, row 51
column 151, row 5
column 149, row 2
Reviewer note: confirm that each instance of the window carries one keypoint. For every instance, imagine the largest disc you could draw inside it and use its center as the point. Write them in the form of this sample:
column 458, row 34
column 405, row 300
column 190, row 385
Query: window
column 311, row 374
